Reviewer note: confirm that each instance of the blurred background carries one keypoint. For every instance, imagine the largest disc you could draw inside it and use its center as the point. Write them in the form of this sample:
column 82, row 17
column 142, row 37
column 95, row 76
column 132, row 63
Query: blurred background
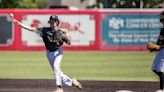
column 81, row 4
column 108, row 38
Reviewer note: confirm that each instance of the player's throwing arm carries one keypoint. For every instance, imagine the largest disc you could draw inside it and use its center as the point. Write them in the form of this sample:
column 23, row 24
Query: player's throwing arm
column 21, row 24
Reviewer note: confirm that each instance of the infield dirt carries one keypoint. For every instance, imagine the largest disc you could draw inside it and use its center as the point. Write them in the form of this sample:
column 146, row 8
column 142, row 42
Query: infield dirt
column 32, row 85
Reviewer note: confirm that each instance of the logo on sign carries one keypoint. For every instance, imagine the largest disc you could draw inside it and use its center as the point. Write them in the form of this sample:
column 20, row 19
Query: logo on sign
column 116, row 23
column 71, row 27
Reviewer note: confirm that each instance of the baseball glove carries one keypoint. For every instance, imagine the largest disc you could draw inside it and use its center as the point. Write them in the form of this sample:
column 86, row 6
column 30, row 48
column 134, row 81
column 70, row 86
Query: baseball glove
column 152, row 47
column 60, row 37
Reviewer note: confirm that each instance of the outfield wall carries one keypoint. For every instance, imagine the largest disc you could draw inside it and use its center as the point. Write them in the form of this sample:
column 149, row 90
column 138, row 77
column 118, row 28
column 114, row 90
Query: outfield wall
column 87, row 29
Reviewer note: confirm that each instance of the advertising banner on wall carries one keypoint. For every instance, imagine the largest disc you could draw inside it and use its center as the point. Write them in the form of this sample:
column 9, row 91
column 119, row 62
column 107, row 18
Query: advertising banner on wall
column 79, row 28
column 129, row 30
column 6, row 32
column 87, row 29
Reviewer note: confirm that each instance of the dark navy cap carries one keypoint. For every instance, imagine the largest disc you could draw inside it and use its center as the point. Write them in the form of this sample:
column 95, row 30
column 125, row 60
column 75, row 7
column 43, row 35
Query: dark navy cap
column 53, row 18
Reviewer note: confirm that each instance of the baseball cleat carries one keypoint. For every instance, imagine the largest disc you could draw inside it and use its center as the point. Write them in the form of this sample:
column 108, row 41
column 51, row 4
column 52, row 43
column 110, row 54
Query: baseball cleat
column 59, row 90
column 76, row 83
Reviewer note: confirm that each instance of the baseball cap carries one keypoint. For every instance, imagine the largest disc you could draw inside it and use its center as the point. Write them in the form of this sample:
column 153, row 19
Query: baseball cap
column 53, row 18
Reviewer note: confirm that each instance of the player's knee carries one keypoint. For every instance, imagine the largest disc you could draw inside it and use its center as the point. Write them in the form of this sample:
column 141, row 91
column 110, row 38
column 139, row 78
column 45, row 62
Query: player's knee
column 56, row 67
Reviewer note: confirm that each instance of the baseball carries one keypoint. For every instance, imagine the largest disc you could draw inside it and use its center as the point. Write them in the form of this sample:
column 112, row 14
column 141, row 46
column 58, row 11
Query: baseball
column 11, row 15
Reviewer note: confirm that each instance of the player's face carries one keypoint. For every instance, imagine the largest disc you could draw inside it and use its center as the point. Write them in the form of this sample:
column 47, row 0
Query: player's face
column 53, row 24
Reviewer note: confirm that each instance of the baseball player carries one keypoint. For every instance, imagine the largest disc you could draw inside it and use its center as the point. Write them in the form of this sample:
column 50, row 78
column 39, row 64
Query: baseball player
column 53, row 38
column 158, row 64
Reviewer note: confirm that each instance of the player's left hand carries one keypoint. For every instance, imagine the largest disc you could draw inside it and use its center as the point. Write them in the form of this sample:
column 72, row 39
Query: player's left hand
column 153, row 47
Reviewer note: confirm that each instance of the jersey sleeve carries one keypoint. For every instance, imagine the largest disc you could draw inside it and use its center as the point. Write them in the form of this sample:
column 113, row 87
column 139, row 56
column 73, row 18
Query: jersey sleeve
column 39, row 31
column 161, row 37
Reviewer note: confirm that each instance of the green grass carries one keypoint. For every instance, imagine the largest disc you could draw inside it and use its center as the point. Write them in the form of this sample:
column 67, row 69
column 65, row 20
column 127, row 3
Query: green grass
column 115, row 66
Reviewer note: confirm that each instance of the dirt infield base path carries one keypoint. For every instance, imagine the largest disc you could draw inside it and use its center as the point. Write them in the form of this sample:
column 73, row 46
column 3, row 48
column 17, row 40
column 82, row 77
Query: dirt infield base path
column 10, row 85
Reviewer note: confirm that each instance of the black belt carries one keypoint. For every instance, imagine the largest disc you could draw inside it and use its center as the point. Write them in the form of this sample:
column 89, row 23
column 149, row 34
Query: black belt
column 53, row 50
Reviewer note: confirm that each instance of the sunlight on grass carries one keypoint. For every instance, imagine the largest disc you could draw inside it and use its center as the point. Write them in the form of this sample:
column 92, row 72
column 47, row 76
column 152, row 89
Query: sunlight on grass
column 123, row 66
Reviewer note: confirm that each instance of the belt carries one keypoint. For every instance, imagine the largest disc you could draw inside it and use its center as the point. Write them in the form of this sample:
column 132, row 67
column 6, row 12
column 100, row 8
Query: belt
column 53, row 50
